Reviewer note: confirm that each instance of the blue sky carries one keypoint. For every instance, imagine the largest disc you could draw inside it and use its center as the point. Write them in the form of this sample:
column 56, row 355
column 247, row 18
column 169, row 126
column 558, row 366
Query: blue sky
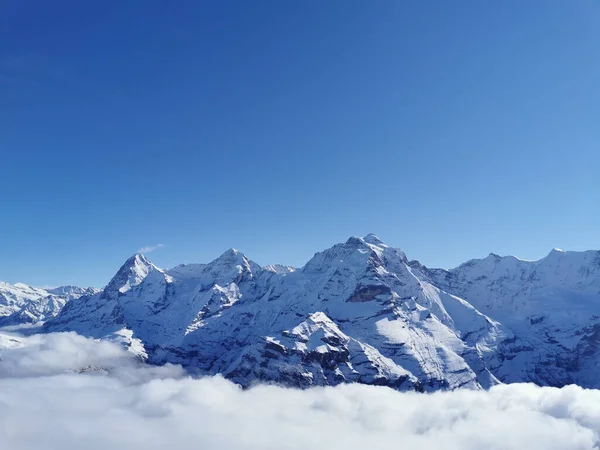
column 450, row 129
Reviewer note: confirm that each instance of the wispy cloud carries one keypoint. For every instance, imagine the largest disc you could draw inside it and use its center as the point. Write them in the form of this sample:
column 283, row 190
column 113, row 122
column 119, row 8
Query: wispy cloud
column 150, row 248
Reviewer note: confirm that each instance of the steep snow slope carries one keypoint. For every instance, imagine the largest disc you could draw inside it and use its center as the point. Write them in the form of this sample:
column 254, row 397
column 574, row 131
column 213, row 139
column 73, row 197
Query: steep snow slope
column 355, row 312
column 20, row 303
column 551, row 305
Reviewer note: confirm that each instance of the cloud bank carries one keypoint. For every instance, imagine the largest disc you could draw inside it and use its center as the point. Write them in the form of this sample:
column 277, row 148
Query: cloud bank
column 150, row 248
column 66, row 392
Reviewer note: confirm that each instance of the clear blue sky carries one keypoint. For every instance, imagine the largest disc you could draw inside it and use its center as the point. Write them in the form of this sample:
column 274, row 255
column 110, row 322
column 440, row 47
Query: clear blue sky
column 450, row 129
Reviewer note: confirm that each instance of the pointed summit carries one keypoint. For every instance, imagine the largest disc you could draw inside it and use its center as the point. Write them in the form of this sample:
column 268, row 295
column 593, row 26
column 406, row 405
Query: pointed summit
column 137, row 258
column 230, row 257
column 232, row 265
column 138, row 264
column 231, row 253
column 131, row 273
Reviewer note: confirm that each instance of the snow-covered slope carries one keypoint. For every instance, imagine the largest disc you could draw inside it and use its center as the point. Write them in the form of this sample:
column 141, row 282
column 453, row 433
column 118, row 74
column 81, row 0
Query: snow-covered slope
column 20, row 303
column 357, row 312
column 552, row 306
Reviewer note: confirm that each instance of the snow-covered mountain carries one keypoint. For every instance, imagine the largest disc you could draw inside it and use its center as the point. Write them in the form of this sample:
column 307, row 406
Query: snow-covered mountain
column 20, row 303
column 357, row 312
column 552, row 306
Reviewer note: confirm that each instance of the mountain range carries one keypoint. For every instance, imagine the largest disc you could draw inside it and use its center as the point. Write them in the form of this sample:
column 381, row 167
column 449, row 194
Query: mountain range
column 359, row 311
column 22, row 304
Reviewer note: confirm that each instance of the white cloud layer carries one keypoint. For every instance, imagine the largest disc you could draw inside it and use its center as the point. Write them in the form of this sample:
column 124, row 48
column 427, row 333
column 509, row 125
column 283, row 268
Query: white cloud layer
column 150, row 248
column 43, row 404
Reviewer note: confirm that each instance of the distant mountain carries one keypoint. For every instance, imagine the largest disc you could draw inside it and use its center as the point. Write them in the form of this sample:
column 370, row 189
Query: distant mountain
column 20, row 303
column 552, row 306
column 357, row 312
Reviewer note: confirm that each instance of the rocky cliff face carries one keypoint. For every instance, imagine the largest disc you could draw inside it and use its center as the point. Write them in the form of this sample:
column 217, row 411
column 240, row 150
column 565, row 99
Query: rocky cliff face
column 357, row 312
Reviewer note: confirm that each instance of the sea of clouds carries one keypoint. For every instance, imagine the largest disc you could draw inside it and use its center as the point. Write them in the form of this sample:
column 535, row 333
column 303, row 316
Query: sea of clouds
column 63, row 391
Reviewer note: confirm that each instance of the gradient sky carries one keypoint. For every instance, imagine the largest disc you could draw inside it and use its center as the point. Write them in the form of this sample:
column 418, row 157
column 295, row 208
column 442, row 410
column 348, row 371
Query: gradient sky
column 450, row 129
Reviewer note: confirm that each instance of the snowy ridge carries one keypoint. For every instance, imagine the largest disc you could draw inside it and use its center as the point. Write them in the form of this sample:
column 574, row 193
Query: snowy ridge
column 359, row 311
column 552, row 306
column 20, row 303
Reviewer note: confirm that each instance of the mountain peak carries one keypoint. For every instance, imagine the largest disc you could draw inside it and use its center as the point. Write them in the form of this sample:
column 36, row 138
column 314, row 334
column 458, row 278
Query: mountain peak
column 138, row 258
column 230, row 252
column 355, row 252
column 131, row 273
column 368, row 241
column 230, row 264
column 231, row 256
column 373, row 239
